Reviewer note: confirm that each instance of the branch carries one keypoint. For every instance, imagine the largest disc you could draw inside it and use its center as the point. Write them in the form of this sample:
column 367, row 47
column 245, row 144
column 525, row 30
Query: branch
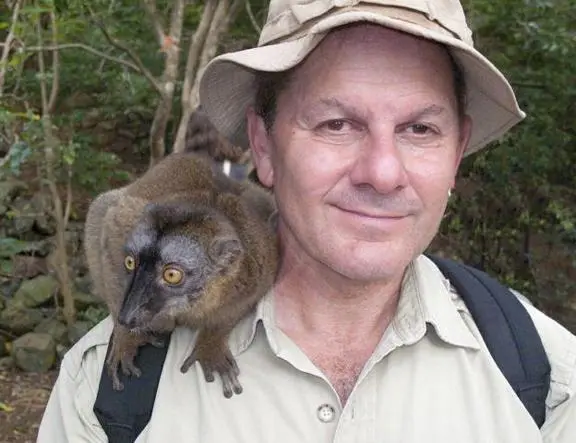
column 170, row 46
column 7, row 156
column 177, row 19
column 68, row 209
column 111, row 6
column 86, row 48
column 257, row 27
column 42, row 68
column 8, row 43
column 152, row 12
column 225, row 13
column 93, row 51
column 129, row 52
column 55, row 65
column 528, row 85
column 195, row 48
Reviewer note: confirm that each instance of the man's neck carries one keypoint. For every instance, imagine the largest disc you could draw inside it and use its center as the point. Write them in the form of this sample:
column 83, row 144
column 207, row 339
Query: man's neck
column 312, row 301
column 336, row 323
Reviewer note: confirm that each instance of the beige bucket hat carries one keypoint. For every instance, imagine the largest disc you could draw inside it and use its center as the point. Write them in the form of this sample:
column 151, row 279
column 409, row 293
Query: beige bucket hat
column 295, row 27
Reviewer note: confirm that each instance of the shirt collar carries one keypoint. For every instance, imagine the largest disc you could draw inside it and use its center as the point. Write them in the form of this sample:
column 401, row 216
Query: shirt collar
column 426, row 298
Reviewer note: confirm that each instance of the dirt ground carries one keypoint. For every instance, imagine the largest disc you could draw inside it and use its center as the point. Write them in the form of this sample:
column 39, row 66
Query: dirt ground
column 23, row 397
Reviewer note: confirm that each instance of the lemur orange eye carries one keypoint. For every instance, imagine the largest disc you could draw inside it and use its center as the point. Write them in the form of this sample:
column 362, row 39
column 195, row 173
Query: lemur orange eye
column 129, row 263
column 172, row 275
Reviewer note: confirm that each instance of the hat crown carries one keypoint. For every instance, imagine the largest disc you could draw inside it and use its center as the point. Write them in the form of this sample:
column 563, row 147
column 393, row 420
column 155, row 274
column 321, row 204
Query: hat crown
column 287, row 17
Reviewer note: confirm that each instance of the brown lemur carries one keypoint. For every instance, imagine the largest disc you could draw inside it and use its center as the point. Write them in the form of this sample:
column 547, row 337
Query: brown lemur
column 181, row 245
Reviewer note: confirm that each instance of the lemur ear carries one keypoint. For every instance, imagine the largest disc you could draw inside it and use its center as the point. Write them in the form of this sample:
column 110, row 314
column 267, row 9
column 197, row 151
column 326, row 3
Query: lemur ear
column 225, row 251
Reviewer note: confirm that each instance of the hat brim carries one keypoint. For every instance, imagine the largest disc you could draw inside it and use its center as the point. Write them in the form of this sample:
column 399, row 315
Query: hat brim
column 227, row 86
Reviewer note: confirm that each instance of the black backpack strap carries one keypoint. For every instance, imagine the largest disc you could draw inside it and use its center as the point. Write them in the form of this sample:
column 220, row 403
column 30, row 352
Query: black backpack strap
column 124, row 414
column 508, row 331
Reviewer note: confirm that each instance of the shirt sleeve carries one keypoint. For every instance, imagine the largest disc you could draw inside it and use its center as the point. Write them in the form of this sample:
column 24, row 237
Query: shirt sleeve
column 561, row 422
column 560, row 426
column 560, row 346
column 66, row 417
column 69, row 415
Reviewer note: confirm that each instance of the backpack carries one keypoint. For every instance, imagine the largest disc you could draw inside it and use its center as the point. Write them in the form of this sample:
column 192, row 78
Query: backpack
column 505, row 325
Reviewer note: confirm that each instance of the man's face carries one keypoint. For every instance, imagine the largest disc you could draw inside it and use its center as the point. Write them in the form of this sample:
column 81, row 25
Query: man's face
column 363, row 151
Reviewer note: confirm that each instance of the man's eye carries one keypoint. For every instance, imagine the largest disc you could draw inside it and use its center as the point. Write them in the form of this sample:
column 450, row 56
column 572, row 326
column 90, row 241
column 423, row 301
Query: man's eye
column 419, row 129
column 334, row 125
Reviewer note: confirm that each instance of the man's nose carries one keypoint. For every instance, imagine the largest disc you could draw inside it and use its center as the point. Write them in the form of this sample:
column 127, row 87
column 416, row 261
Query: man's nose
column 380, row 164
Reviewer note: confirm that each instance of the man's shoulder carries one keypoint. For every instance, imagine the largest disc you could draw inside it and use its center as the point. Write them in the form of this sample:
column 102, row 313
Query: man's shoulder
column 91, row 349
column 560, row 347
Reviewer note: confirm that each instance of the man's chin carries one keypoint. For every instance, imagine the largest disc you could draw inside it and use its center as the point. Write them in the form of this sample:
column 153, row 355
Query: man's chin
column 370, row 270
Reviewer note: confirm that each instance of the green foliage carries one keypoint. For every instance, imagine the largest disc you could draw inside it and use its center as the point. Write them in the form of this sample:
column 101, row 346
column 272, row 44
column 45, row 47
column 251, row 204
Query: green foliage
column 12, row 246
column 93, row 315
column 91, row 84
column 516, row 194
column 520, row 193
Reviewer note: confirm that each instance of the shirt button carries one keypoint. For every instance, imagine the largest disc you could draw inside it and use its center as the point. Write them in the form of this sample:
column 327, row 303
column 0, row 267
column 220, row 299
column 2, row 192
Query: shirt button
column 326, row 413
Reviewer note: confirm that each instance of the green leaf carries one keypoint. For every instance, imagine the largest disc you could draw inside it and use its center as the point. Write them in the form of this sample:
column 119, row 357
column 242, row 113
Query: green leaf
column 5, row 407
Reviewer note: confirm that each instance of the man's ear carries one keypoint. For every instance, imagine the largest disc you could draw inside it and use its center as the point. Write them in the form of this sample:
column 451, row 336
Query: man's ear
column 465, row 134
column 464, row 139
column 260, row 148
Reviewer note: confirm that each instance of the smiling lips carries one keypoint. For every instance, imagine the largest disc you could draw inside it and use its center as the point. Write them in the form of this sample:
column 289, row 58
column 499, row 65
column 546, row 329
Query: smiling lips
column 371, row 214
column 373, row 222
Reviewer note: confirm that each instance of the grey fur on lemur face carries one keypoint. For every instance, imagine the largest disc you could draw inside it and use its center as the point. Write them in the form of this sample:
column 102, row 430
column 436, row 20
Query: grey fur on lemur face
column 168, row 266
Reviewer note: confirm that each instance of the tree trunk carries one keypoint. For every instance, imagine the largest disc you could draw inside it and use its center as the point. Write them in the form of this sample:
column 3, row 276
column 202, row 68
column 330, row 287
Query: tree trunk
column 194, row 52
column 223, row 15
column 60, row 262
column 168, row 81
column 8, row 44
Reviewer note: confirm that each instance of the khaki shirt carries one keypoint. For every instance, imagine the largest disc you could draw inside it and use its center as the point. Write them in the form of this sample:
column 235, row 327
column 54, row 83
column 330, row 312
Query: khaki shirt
column 430, row 379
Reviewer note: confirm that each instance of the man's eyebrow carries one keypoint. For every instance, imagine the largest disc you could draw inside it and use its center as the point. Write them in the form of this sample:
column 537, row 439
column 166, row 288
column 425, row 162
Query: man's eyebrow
column 428, row 111
column 330, row 103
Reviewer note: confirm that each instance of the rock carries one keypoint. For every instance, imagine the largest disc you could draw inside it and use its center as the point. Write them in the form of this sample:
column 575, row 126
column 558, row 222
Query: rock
column 61, row 350
column 34, row 352
column 91, row 119
column 44, row 222
column 6, row 362
column 6, row 267
column 9, row 190
column 78, row 330
column 73, row 239
column 36, row 292
column 126, row 133
column 84, row 283
column 54, row 328
column 95, row 314
column 3, row 350
column 28, row 266
column 40, row 248
column 9, row 288
column 12, row 246
column 107, row 125
column 85, row 299
column 76, row 101
column 78, row 264
column 22, row 219
column 19, row 320
column 2, row 301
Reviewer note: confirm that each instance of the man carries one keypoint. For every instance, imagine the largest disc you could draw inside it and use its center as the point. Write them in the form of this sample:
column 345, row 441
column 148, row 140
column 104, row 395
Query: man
column 357, row 114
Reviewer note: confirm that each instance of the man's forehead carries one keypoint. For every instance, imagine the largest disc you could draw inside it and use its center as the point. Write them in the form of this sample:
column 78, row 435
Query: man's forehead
column 334, row 72
column 373, row 35
column 371, row 43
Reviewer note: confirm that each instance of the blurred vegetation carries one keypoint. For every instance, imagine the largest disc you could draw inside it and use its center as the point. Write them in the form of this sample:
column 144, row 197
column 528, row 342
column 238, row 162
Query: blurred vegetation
column 514, row 212
column 514, row 209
